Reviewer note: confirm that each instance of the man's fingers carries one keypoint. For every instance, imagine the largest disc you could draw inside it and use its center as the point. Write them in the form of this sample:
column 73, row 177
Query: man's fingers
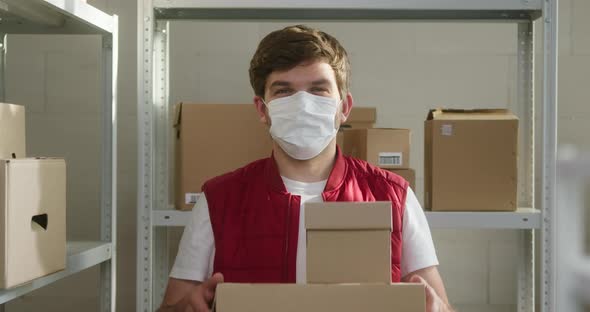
column 212, row 282
column 417, row 279
column 431, row 303
column 431, row 300
column 210, row 285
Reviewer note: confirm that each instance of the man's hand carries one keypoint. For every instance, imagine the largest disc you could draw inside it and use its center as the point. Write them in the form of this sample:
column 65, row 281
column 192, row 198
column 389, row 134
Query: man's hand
column 197, row 298
column 433, row 302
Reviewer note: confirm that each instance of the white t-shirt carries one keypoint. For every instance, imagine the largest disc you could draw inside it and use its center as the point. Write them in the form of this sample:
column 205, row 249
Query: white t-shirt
column 196, row 251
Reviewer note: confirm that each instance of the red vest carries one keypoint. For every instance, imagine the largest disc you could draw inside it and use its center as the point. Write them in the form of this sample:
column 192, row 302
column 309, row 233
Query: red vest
column 256, row 221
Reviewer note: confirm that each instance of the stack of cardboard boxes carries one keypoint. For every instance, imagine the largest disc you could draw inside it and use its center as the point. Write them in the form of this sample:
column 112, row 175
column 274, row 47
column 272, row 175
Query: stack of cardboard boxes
column 386, row 148
column 32, row 206
column 348, row 268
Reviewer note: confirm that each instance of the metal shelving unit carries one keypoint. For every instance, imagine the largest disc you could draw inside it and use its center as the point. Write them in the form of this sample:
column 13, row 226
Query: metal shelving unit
column 77, row 17
column 536, row 186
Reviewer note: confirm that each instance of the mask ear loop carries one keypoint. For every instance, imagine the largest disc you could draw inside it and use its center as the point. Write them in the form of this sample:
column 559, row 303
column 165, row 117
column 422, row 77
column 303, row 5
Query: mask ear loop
column 269, row 122
column 341, row 115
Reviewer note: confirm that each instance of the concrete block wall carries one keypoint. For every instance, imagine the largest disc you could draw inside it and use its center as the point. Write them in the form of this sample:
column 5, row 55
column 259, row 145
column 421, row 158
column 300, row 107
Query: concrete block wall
column 401, row 68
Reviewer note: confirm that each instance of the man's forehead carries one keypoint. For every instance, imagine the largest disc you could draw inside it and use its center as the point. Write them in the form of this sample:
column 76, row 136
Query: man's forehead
column 308, row 72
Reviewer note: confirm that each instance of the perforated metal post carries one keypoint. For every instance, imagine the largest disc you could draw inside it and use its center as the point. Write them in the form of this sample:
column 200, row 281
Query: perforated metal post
column 3, row 49
column 162, row 128
column 145, row 151
column 548, row 178
column 2, row 85
column 108, row 230
column 526, row 111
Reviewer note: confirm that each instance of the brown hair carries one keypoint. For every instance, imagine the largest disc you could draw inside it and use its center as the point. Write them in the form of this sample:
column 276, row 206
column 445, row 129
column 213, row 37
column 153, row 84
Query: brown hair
column 286, row 48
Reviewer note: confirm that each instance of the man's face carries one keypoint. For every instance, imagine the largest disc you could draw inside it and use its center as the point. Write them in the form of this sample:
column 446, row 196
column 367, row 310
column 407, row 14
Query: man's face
column 317, row 78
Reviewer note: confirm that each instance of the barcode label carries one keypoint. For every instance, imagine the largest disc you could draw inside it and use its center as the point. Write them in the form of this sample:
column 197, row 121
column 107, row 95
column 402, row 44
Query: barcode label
column 191, row 198
column 390, row 159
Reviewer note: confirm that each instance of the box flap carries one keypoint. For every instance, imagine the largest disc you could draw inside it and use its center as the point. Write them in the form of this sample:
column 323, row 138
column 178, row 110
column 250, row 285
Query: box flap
column 471, row 114
column 348, row 215
column 400, row 297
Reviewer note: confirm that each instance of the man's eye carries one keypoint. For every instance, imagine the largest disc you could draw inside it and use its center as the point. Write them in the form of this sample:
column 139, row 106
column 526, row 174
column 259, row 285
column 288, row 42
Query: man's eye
column 319, row 90
column 282, row 91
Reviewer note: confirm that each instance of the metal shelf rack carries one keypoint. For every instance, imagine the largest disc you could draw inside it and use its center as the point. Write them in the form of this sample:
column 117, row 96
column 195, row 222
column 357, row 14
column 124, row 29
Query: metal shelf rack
column 77, row 17
column 537, row 186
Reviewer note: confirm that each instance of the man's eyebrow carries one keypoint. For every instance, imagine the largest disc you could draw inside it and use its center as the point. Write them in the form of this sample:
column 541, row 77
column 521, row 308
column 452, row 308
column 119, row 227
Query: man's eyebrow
column 320, row 82
column 280, row 83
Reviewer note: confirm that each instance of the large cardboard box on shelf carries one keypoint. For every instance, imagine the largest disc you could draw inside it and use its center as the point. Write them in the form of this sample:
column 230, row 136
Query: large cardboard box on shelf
column 348, row 242
column 32, row 219
column 408, row 174
column 385, row 148
column 319, row 298
column 213, row 139
column 471, row 160
column 12, row 131
column 359, row 118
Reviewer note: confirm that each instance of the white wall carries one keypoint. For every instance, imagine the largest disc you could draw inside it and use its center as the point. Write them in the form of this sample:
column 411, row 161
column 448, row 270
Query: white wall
column 401, row 68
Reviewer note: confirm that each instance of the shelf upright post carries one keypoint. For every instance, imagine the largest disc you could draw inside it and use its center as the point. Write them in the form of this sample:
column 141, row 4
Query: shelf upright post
column 162, row 151
column 525, row 108
column 3, row 49
column 108, row 225
column 549, row 150
column 146, row 140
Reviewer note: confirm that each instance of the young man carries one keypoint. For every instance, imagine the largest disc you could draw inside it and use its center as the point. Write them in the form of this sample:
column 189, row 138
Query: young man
column 248, row 226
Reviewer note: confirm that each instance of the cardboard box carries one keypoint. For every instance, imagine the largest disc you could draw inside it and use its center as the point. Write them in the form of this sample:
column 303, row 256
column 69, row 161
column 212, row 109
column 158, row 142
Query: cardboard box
column 408, row 174
column 386, row 148
column 12, row 131
column 361, row 117
column 32, row 219
column 319, row 298
column 471, row 160
column 348, row 242
column 213, row 139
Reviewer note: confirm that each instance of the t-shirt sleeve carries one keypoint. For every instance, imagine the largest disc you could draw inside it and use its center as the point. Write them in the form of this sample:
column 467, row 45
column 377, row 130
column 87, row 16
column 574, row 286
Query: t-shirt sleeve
column 197, row 248
column 417, row 247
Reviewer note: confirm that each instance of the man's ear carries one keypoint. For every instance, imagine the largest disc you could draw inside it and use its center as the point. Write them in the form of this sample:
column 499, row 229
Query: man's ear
column 261, row 109
column 346, row 108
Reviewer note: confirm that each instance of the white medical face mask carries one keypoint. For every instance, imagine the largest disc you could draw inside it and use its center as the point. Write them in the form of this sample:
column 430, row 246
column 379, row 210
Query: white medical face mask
column 303, row 124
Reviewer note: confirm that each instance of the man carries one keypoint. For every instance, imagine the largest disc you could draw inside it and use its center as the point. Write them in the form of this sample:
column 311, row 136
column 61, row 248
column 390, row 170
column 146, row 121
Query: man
column 248, row 226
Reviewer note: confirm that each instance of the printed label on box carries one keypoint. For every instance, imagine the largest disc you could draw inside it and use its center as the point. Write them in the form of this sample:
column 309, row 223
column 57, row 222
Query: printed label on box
column 446, row 129
column 191, row 198
column 390, row 159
